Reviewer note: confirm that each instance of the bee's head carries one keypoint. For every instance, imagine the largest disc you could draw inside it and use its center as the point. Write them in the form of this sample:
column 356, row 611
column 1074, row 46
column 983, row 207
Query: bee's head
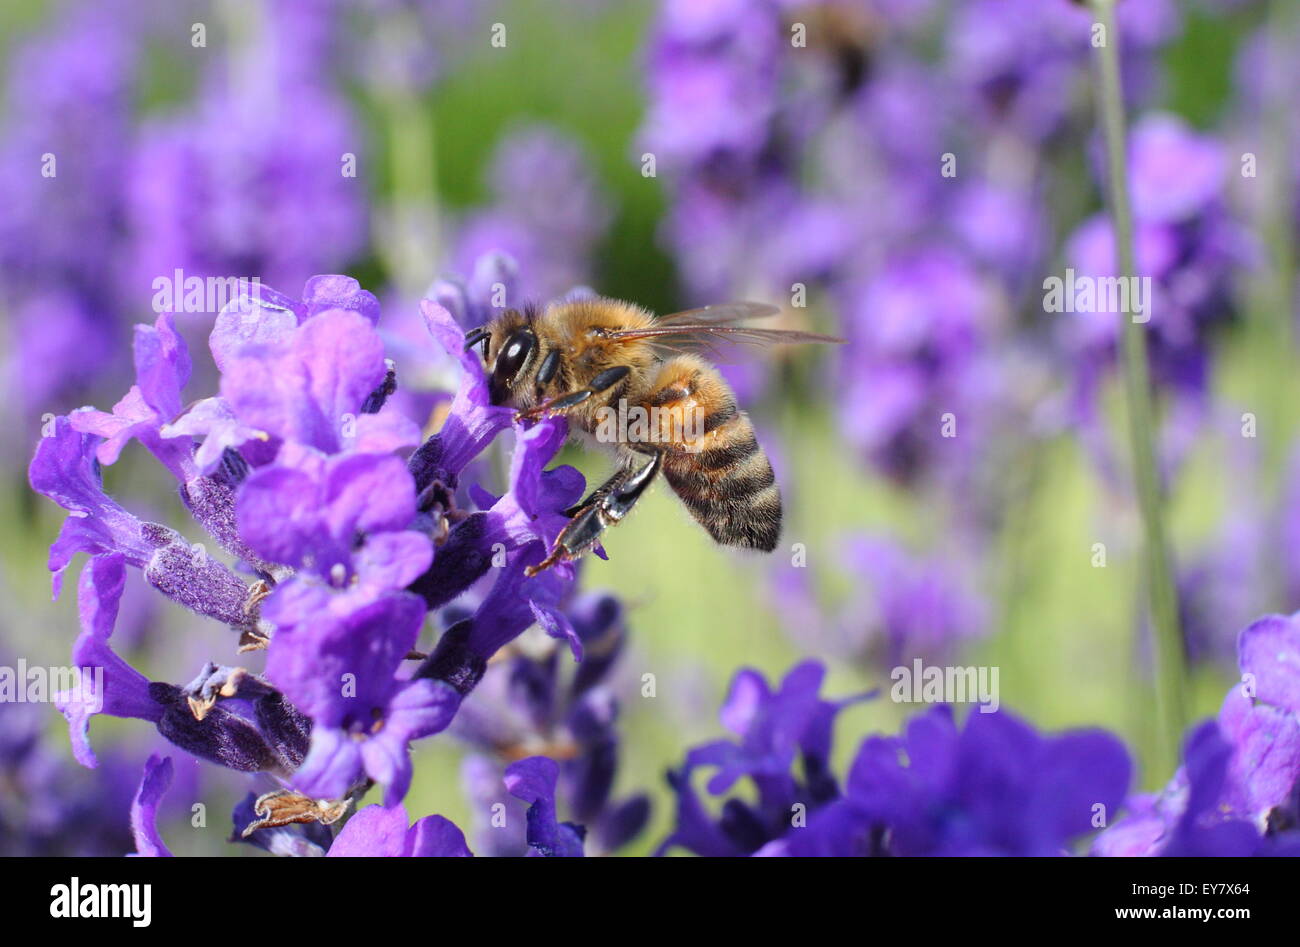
column 509, row 348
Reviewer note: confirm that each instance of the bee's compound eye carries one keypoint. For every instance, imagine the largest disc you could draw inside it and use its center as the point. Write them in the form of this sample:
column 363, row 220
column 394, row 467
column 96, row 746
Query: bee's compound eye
column 514, row 355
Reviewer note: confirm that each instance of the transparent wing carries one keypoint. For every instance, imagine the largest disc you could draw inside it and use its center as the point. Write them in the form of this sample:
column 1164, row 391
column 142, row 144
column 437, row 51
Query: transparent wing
column 719, row 314
column 710, row 325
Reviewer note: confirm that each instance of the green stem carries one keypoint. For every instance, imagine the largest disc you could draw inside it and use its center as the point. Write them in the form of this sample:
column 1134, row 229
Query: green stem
column 1170, row 671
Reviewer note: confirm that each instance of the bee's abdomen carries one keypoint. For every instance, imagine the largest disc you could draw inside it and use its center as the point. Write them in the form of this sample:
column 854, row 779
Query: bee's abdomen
column 729, row 487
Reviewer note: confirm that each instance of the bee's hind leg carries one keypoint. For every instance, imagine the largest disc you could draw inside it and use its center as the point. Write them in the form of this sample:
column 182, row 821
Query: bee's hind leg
column 605, row 507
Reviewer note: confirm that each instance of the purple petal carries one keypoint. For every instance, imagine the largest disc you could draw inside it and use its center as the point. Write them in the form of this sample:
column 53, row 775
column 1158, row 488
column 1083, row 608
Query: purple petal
column 385, row 432
column 332, row 767
column 747, row 695
column 374, row 832
column 144, row 808
column 322, row 293
column 1265, row 767
column 381, row 832
column 1270, row 650
column 438, row 837
column 108, row 684
column 334, row 658
column 394, row 560
column 472, row 421
column 304, row 388
column 533, row 780
column 214, row 421
column 259, row 316
column 555, row 623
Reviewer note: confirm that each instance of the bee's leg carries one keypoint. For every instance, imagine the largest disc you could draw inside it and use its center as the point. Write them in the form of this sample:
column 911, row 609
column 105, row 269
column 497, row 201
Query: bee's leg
column 602, row 382
column 606, row 507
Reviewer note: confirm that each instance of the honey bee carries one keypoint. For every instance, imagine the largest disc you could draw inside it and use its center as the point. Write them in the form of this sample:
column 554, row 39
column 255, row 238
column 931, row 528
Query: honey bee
column 593, row 360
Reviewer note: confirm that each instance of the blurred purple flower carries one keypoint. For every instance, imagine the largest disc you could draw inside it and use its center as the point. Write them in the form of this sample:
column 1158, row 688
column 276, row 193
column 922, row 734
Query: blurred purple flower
column 920, row 334
column 63, row 155
column 904, row 606
column 1022, row 64
column 550, row 232
column 270, row 201
column 526, row 704
column 1185, row 242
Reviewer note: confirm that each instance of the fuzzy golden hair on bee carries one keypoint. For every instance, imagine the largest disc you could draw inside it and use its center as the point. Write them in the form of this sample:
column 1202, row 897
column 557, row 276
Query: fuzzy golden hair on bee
column 593, row 359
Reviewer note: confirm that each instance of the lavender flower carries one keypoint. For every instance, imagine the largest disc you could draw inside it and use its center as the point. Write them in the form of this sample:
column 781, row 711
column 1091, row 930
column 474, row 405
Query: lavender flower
column 63, row 153
column 1021, row 64
column 993, row 788
column 1236, row 793
column 920, row 334
column 1185, row 242
column 527, row 704
column 774, row 728
column 383, row 832
column 270, row 201
column 296, row 477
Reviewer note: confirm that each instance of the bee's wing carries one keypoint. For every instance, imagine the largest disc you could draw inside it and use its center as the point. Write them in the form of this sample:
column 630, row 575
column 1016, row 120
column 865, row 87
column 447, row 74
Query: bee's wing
column 713, row 324
column 719, row 314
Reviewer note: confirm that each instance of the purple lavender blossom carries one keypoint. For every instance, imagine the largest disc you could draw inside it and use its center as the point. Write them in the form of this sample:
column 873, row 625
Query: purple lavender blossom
column 63, row 153
column 270, row 201
column 1236, row 793
column 773, row 727
column 65, row 470
column 162, row 366
column 379, row 831
column 994, row 787
column 1185, row 241
column 1021, row 64
column 920, row 334
column 527, row 704
column 351, row 545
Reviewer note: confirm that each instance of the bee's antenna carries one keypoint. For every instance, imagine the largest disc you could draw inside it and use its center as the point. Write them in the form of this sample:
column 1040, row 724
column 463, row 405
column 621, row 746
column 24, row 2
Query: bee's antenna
column 475, row 336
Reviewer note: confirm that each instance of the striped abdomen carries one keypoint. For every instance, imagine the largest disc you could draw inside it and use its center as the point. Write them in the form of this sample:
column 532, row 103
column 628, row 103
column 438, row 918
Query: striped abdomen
column 729, row 486
column 710, row 455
